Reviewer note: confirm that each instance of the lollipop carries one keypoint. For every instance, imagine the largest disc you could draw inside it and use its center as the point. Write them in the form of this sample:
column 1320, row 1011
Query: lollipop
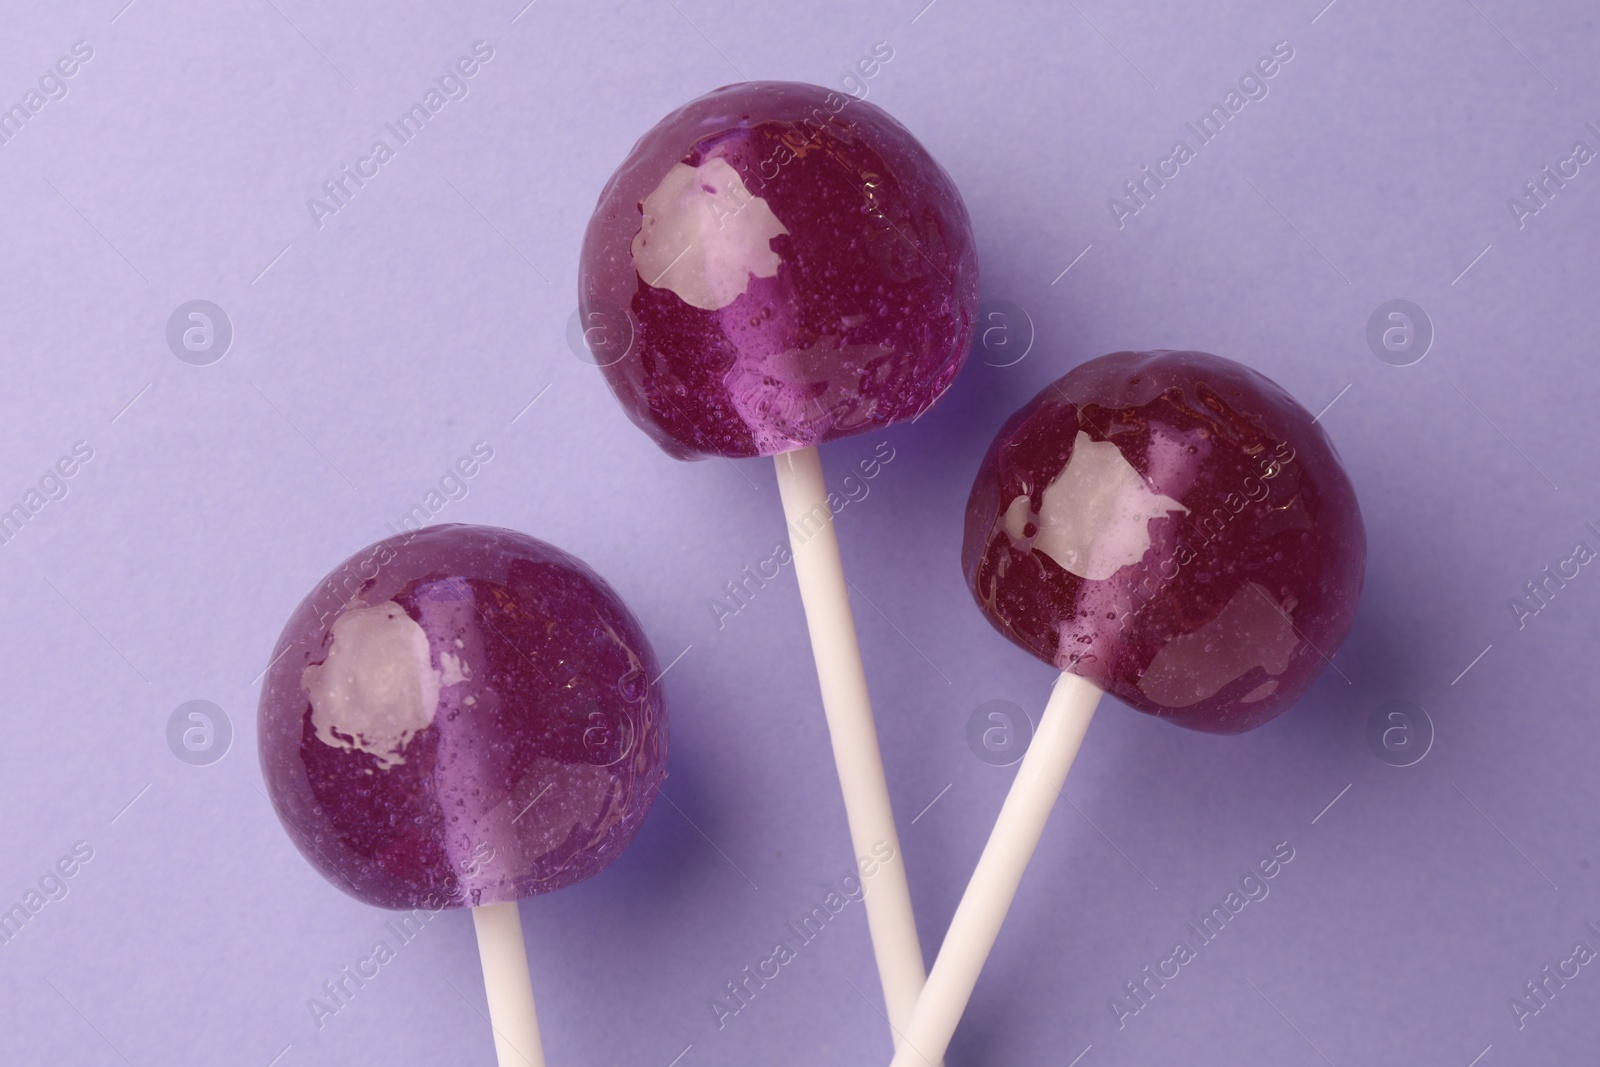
column 463, row 717
column 774, row 266
column 1171, row 528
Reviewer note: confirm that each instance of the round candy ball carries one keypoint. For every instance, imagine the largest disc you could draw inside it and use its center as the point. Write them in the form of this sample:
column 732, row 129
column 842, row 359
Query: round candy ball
column 774, row 266
column 1173, row 527
column 461, row 716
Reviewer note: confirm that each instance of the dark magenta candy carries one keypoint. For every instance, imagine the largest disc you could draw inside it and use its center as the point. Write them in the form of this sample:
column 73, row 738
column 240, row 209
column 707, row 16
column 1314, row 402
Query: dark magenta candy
column 773, row 266
column 461, row 716
column 1173, row 527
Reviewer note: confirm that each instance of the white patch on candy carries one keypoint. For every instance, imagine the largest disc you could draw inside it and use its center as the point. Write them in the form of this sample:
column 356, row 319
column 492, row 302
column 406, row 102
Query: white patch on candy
column 1250, row 631
column 377, row 687
column 1094, row 518
column 1260, row 692
column 792, row 399
column 1017, row 516
column 455, row 669
column 1174, row 458
column 704, row 235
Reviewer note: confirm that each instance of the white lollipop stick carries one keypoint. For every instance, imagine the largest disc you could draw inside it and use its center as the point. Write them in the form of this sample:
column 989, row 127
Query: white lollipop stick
column 994, row 882
column 506, row 981
column 855, row 740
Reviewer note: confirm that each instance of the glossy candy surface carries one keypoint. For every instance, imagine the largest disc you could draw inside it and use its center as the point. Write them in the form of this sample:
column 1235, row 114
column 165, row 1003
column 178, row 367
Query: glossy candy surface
column 461, row 716
column 773, row 266
column 1173, row 527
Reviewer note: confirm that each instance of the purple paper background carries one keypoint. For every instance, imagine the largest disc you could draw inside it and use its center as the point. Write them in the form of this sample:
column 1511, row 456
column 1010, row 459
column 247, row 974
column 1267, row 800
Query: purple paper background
column 425, row 316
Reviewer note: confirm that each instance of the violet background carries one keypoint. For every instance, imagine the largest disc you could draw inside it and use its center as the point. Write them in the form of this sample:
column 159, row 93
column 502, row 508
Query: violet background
column 372, row 353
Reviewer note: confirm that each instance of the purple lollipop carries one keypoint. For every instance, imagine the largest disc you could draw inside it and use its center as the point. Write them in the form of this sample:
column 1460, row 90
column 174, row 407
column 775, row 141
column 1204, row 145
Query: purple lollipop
column 1173, row 528
column 462, row 717
column 1235, row 570
column 774, row 266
